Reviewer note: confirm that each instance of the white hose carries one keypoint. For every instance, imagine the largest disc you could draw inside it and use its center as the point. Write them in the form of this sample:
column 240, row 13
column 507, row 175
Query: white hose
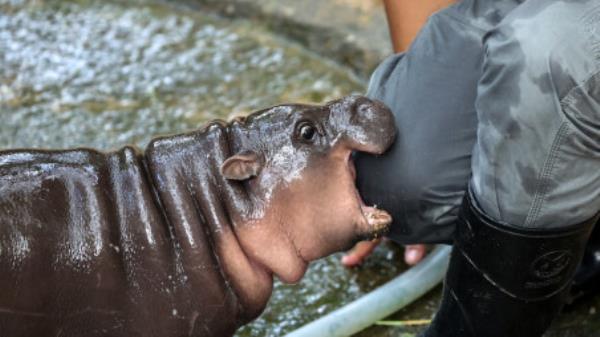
column 383, row 301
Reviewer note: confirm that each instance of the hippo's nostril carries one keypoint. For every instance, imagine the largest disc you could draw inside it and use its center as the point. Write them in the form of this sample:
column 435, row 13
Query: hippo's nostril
column 367, row 125
column 359, row 101
column 367, row 111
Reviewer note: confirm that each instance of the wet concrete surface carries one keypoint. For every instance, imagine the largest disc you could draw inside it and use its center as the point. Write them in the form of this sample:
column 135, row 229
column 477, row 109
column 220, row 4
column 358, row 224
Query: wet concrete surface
column 351, row 32
column 104, row 74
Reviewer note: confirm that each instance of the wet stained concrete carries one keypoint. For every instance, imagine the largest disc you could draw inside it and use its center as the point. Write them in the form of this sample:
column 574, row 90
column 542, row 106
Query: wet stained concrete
column 104, row 74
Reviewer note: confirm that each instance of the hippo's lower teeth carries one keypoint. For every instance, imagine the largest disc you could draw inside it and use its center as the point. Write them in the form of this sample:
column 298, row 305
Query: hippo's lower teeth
column 378, row 220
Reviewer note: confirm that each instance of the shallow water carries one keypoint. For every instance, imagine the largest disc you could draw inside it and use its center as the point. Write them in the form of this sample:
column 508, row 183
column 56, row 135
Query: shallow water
column 328, row 286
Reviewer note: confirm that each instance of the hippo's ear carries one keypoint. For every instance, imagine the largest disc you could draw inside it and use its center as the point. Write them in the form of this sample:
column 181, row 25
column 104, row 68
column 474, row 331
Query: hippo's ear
column 241, row 166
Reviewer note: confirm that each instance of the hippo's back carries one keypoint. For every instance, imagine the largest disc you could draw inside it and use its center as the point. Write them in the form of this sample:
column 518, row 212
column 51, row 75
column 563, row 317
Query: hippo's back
column 80, row 236
column 87, row 247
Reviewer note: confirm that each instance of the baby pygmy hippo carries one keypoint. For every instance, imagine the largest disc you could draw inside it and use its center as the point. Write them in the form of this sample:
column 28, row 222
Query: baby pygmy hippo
column 184, row 238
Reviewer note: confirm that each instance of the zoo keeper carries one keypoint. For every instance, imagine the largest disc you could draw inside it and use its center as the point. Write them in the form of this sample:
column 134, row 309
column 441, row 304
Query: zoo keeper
column 497, row 106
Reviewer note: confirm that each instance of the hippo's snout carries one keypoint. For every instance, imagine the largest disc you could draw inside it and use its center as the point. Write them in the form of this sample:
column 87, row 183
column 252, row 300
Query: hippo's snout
column 367, row 124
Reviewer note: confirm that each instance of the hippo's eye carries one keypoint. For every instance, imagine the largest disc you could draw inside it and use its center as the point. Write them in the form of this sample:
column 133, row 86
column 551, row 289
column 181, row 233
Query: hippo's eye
column 307, row 132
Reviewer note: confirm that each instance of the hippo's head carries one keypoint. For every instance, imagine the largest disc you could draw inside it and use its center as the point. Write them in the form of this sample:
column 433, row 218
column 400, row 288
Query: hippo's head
column 295, row 162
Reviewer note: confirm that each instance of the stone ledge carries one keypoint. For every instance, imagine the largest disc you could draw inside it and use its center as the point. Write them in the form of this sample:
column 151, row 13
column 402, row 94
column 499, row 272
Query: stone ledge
column 351, row 32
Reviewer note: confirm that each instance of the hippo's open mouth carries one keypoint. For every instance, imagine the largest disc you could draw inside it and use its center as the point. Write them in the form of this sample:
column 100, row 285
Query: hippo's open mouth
column 378, row 220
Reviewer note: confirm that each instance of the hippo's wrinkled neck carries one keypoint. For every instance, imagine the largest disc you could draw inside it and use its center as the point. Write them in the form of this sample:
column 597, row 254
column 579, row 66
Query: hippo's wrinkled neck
column 202, row 208
column 264, row 231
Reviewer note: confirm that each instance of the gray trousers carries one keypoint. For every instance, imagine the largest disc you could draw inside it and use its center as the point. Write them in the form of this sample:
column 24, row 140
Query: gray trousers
column 503, row 97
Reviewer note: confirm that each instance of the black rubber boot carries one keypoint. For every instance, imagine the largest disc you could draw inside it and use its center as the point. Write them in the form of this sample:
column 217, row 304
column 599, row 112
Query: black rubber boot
column 587, row 277
column 505, row 281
